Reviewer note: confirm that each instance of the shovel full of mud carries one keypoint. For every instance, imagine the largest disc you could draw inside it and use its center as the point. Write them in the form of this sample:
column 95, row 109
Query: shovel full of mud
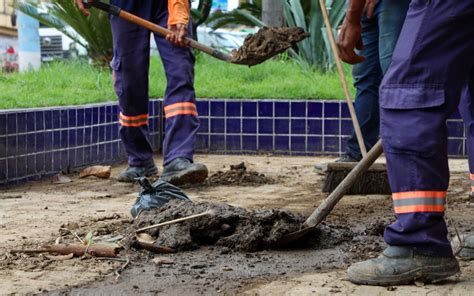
column 257, row 48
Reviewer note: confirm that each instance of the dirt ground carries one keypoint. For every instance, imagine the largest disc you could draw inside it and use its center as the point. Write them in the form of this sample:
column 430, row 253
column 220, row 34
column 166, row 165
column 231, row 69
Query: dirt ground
column 38, row 213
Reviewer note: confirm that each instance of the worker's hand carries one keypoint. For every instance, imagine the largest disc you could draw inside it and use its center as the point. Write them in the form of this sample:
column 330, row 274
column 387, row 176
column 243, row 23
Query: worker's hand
column 81, row 7
column 178, row 37
column 350, row 38
column 369, row 8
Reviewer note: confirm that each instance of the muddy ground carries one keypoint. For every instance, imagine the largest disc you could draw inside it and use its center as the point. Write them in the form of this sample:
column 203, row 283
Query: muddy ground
column 38, row 213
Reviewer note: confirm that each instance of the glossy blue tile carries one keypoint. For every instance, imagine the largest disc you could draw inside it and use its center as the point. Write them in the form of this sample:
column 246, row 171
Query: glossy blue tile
column 203, row 108
column 56, row 119
column 88, row 116
column 265, row 143
column 331, row 127
column 56, row 140
column 48, row 119
column 11, row 146
column 249, row 126
column 64, row 139
column 315, row 126
column 95, row 135
column 87, row 135
column 64, row 160
column 21, row 163
column 39, row 120
column 282, row 109
column 203, row 125
column 282, row 126
column 80, row 156
column 233, row 125
column 3, row 170
column 265, row 109
column 39, row 141
column 11, row 124
column 101, row 152
column 298, row 126
column 57, row 161
column 101, row 133
column 30, row 143
column 72, row 158
column 80, row 137
column 202, row 143
column 80, row 117
column 21, row 147
column 249, row 109
column 3, row 147
column 217, row 108
column 346, row 127
column 282, row 143
column 345, row 111
column 315, row 109
column 103, row 115
column 315, row 144
column 298, row 109
column 48, row 162
column 30, row 122
column 233, row 143
column 64, row 115
column 95, row 115
column 87, row 155
column 108, row 114
column 217, row 125
column 48, row 141
column 331, row 144
column 21, row 122
column 40, row 163
column 455, row 147
column 331, row 109
column 94, row 152
column 217, row 143
column 233, row 108
column 265, row 126
column 11, row 170
column 3, row 124
column 249, row 143
column 298, row 143
column 115, row 112
column 455, row 129
column 72, row 117
column 108, row 133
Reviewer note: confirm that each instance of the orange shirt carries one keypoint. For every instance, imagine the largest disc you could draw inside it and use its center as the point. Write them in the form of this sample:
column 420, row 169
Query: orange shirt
column 178, row 12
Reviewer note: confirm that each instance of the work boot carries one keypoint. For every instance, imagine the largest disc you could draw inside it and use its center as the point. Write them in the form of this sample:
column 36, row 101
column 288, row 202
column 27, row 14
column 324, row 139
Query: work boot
column 401, row 265
column 182, row 171
column 344, row 158
column 465, row 248
column 133, row 173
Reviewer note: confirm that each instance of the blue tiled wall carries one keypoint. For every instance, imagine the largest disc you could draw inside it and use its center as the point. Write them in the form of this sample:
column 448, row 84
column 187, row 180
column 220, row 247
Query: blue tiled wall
column 40, row 142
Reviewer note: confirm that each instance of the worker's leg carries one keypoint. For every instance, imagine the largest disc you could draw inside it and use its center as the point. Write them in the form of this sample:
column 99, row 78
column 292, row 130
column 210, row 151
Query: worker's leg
column 130, row 71
column 466, row 109
column 182, row 123
column 421, row 88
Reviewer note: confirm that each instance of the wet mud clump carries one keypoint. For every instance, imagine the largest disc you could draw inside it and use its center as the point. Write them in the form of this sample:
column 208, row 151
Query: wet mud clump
column 266, row 43
column 232, row 227
column 237, row 175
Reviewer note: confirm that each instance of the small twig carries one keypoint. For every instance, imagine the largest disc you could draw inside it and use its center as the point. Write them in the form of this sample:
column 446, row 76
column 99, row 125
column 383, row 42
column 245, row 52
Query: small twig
column 77, row 236
column 119, row 271
column 210, row 212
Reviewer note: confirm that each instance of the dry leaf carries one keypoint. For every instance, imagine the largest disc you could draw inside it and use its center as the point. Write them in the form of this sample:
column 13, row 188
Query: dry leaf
column 99, row 171
column 162, row 260
column 60, row 257
column 145, row 238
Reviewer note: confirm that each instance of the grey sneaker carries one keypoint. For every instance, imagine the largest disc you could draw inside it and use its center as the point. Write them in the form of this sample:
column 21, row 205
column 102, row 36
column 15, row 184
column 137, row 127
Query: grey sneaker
column 465, row 248
column 399, row 266
column 347, row 158
column 182, row 171
column 133, row 173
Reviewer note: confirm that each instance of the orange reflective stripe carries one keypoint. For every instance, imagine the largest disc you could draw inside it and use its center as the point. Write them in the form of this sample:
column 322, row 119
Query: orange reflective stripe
column 180, row 105
column 181, row 112
column 418, row 209
column 185, row 108
column 132, row 124
column 472, row 176
column 142, row 116
column 419, row 194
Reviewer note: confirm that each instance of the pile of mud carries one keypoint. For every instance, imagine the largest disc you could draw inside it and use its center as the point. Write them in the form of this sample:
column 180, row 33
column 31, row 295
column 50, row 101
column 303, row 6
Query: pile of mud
column 237, row 175
column 231, row 227
column 266, row 43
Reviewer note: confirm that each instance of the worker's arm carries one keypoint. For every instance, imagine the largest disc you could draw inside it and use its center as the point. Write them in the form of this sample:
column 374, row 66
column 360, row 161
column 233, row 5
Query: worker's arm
column 351, row 31
column 178, row 20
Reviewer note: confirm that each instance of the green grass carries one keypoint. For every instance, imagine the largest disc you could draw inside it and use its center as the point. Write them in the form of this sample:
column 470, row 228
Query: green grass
column 74, row 83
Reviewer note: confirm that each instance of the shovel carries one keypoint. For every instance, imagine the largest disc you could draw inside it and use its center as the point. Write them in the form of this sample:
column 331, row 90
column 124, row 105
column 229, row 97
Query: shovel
column 321, row 212
column 257, row 48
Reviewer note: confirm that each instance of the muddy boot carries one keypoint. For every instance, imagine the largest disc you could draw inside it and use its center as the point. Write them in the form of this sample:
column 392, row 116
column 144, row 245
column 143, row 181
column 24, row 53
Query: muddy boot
column 465, row 248
column 344, row 158
column 400, row 265
column 133, row 173
column 182, row 171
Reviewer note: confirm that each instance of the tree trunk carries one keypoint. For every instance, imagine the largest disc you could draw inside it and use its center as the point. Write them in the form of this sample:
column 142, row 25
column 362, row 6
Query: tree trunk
column 272, row 13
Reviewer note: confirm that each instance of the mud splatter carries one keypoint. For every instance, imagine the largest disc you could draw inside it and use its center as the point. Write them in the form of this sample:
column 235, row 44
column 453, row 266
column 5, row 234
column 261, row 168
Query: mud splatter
column 266, row 43
column 237, row 175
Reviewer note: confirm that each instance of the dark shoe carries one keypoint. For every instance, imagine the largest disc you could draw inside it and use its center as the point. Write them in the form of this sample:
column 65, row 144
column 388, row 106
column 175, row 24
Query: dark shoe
column 133, row 173
column 182, row 171
column 465, row 248
column 399, row 266
column 347, row 158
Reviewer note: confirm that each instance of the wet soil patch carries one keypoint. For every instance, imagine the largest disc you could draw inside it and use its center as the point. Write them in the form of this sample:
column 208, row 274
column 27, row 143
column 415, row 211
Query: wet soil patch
column 238, row 175
column 266, row 43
